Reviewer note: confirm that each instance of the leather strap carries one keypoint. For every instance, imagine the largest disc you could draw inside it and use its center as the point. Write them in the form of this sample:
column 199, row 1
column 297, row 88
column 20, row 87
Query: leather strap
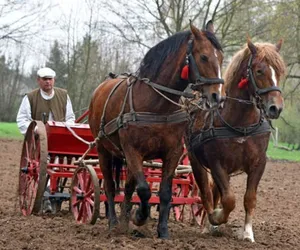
column 144, row 118
column 224, row 132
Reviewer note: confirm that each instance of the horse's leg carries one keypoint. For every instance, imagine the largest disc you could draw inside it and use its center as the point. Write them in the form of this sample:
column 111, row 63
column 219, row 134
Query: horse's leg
column 253, row 179
column 118, row 169
column 203, row 182
column 126, row 205
column 165, row 193
column 208, row 227
column 135, row 166
column 109, row 186
column 221, row 179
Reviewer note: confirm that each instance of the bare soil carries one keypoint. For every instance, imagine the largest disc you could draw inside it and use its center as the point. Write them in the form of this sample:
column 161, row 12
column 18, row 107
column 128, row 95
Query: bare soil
column 276, row 225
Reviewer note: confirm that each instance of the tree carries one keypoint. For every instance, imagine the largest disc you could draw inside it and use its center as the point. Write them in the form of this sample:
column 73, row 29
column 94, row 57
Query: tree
column 20, row 19
column 57, row 63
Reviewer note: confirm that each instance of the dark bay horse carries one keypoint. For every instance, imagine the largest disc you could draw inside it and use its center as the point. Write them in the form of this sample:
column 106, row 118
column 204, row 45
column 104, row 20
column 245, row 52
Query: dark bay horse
column 138, row 117
column 235, row 138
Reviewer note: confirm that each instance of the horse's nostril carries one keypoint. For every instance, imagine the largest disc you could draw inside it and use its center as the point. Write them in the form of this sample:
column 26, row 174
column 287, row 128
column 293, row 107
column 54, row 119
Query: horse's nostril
column 275, row 111
column 215, row 97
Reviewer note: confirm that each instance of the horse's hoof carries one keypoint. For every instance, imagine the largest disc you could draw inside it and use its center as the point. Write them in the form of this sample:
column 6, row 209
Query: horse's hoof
column 137, row 234
column 163, row 236
column 215, row 231
column 163, row 232
column 216, row 218
column 248, row 237
column 136, row 218
column 112, row 224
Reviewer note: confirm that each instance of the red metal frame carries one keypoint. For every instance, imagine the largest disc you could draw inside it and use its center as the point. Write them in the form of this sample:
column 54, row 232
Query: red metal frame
column 62, row 142
column 63, row 146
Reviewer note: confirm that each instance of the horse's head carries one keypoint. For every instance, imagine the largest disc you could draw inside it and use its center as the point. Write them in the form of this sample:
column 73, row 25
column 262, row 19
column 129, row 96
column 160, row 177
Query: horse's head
column 264, row 69
column 205, row 59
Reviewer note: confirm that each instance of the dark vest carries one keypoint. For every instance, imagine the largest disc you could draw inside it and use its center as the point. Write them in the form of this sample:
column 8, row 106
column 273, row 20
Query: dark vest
column 56, row 105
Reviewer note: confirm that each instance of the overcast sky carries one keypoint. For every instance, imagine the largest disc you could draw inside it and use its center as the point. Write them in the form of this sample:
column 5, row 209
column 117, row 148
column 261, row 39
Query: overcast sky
column 51, row 26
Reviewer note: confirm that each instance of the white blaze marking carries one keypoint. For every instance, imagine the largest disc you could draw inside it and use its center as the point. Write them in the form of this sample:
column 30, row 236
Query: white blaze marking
column 219, row 75
column 215, row 51
column 219, row 72
column 273, row 76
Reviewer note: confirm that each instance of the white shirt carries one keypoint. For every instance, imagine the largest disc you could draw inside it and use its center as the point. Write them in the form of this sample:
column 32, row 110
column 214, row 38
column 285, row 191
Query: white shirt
column 24, row 113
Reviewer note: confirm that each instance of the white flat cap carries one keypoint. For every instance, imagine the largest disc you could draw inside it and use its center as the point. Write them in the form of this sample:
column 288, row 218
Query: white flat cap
column 46, row 72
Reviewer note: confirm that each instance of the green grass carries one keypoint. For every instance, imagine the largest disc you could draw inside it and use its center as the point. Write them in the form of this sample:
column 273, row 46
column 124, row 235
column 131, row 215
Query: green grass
column 10, row 130
column 280, row 154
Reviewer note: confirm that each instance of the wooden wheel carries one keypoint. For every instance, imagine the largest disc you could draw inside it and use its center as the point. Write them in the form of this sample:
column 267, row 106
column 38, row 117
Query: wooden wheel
column 33, row 169
column 85, row 195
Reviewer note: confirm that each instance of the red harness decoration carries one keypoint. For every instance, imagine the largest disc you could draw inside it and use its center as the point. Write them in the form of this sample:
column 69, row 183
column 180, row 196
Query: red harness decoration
column 185, row 72
column 243, row 83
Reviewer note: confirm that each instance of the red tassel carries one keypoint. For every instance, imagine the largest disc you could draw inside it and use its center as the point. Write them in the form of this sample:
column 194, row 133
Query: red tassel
column 185, row 72
column 243, row 83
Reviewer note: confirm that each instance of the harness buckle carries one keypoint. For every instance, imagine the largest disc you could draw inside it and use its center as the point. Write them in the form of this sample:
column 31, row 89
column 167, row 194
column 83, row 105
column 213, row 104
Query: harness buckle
column 133, row 115
column 211, row 132
column 120, row 121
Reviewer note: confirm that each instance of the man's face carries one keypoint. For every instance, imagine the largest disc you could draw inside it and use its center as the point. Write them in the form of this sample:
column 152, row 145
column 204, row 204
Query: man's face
column 46, row 84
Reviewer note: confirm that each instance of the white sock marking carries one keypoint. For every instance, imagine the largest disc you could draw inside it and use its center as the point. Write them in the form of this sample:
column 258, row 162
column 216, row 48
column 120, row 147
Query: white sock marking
column 248, row 232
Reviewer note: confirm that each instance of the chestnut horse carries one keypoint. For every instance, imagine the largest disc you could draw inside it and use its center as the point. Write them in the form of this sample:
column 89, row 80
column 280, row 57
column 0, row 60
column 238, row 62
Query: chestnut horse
column 138, row 117
column 235, row 138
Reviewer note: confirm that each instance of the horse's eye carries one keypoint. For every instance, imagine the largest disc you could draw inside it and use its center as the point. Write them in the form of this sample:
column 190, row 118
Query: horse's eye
column 259, row 72
column 204, row 58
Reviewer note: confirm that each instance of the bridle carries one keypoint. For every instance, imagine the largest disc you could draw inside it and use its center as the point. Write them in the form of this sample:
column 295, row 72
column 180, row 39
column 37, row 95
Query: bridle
column 263, row 124
column 258, row 91
column 200, row 80
column 250, row 77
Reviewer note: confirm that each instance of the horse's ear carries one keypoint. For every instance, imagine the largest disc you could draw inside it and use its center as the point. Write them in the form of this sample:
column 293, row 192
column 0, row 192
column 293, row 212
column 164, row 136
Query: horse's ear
column 278, row 45
column 195, row 31
column 251, row 46
column 210, row 26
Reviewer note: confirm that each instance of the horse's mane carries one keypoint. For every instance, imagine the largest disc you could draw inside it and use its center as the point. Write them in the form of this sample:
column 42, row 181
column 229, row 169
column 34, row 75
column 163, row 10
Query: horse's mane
column 265, row 51
column 155, row 57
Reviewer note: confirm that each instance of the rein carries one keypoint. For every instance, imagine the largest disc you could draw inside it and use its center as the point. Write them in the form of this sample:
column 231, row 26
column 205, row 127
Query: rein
column 166, row 89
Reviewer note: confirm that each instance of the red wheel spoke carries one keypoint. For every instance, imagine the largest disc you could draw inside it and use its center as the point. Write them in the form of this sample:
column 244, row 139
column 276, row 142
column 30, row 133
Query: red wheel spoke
column 77, row 190
column 88, row 210
column 81, row 211
column 89, row 193
column 80, row 180
column 88, row 183
column 76, row 203
column 90, row 201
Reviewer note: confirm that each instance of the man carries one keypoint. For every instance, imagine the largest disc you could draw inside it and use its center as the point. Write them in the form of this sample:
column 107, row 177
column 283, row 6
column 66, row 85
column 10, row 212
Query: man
column 46, row 103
